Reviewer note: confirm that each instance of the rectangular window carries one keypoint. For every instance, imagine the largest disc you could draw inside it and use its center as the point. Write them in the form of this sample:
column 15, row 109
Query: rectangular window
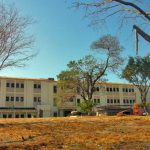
column 117, row 89
column 132, row 90
column 22, row 85
column 97, row 89
column 55, row 114
column 17, row 99
column 127, row 101
column 98, row 100
column 114, row 100
column 35, row 86
column 4, row 116
column 129, row 90
column 55, row 89
column 95, row 101
column 29, row 115
column 35, row 99
column 17, row 85
column 7, row 84
column 78, row 101
column 123, row 90
column 39, row 99
column 111, row 100
column 126, row 90
column 9, row 115
column 12, row 85
column 12, row 98
column 107, row 100
column 107, row 89
column 131, row 101
column 118, row 101
column 39, row 86
column 110, row 89
column 22, row 115
column 17, row 116
column 124, row 101
column 114, row 89
column 7, row 98
column 21, row 99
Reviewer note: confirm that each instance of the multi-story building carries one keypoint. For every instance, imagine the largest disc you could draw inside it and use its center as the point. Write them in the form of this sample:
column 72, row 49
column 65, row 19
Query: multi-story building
column 28, row 97
column 109, row 97
column 22, row 97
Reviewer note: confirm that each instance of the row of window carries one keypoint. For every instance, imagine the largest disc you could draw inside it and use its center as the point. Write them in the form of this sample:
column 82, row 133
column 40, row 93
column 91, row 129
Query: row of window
column 117, row 89
column 112, row 89
column 17, row 85
column 54, row 89
column 21, row 99
column 12, row 98
column 125, row 101
column 21, row 85
column 127, row 90
column 16, row 116
column 113, row 101
column 97, row 101
column 37, row 86
column 37, row 99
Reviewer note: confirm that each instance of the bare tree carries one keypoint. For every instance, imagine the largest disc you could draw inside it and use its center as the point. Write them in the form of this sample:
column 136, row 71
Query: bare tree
column 133, row 12
column 14, row 43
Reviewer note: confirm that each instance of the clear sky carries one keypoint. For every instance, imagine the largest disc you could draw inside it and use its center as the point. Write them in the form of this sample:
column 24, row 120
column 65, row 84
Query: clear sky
column 62, row 34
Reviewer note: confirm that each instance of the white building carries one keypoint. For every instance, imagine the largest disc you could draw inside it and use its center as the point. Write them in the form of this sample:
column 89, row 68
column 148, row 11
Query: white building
column 22, row 97
column 28, row 97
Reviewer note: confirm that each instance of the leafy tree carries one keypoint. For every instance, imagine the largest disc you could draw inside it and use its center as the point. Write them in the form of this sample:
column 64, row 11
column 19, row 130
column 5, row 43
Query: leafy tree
column 137, row 72
column 86, row 106
column 82, row 75
column 14, row 42
column 135, row 13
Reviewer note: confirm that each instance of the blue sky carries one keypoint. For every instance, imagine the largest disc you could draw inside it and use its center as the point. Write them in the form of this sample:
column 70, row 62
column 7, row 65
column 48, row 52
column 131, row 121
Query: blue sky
column 62, row 34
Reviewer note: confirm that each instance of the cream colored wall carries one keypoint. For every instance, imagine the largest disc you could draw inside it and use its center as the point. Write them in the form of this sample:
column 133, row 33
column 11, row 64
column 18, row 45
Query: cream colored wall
column 2, row 93
column 47, row 95
column 28, row 93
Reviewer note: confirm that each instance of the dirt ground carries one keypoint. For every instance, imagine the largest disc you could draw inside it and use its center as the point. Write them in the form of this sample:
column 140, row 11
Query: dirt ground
column 80, row 133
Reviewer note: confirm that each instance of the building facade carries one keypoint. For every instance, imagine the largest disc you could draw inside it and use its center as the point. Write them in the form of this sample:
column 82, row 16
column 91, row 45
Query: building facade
column 27, row 97
column 21, row 97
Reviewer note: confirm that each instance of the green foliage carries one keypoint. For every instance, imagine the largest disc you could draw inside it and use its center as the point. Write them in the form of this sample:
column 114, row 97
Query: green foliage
column 137, row 72
column 137, row 69
column 142, row 105
column 86, row 106
column 82, row 75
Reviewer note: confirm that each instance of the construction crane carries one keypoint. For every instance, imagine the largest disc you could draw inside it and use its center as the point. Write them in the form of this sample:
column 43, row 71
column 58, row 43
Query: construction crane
column 141, row 33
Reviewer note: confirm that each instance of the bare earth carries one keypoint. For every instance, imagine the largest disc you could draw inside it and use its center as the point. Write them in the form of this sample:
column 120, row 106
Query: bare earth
column 81, row 133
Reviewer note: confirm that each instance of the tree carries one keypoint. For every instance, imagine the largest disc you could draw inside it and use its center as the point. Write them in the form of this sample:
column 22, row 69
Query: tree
column 137, row 72
column 87, row 106
column 82, row 75
column 133, row 12
column 14, row 43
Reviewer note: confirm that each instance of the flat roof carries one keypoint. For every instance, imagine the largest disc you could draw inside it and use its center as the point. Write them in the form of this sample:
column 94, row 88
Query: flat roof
column 32, row 79
column 52, row 80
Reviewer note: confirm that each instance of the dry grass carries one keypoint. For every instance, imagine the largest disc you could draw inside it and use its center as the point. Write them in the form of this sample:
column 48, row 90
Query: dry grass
column 92, row 133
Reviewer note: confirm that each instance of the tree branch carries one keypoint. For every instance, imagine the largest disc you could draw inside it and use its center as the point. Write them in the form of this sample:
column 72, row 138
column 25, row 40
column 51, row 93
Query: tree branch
column 134, row 6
